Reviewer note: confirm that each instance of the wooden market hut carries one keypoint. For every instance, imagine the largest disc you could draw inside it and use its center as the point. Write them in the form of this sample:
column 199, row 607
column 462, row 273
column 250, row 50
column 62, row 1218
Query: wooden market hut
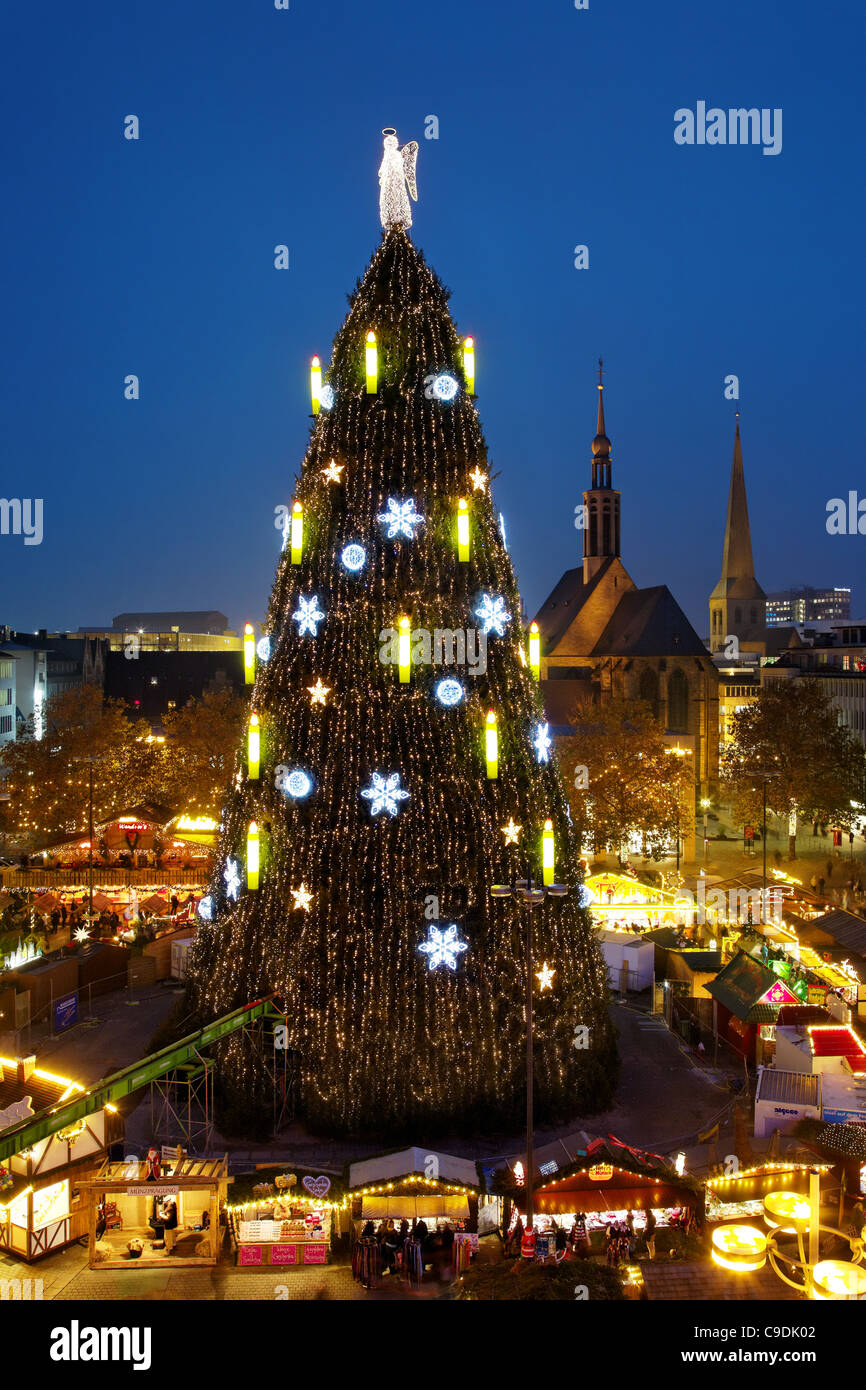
column 612, row 1176
column 197, row 1185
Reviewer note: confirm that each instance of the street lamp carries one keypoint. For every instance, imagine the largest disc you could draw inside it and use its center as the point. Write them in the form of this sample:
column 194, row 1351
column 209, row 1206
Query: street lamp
column 531, row 893
column 705, row 803
column 679, row 753
column 745, row 1249
column 765, row 777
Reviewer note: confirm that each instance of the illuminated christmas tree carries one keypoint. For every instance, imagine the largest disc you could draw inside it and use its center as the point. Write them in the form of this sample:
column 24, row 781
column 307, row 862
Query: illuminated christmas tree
column 397, row 764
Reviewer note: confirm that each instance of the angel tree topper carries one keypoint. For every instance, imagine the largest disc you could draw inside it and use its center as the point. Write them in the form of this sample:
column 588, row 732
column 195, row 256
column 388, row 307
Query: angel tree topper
column 396, row 173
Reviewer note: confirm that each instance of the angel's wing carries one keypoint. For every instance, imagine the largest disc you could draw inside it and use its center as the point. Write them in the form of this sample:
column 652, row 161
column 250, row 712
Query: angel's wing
column 410, row 159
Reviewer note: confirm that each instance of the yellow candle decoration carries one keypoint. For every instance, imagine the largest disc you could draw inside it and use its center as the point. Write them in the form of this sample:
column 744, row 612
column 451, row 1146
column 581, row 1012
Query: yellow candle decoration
column 491, row 745
column 249, row 654
column 297, row 538
column 469, row 364
column 534, row 649
column 253, row 747
column 463, row 529
column 253, row 856
column 405, row 651
column 371, row 354
column 316, row 383
column 548, row 856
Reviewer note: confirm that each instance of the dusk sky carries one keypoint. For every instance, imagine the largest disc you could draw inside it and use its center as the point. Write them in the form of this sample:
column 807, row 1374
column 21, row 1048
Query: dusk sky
column 556, row 128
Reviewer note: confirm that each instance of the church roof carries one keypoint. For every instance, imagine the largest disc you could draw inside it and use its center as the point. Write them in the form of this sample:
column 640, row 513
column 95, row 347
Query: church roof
column 649, row 622
column 556, row 614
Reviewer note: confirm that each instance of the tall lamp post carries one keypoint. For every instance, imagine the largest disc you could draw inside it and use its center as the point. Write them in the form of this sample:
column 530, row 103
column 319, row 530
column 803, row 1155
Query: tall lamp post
column 531, row 893
column 764, row 777
column 705, row 806
column 678, row 752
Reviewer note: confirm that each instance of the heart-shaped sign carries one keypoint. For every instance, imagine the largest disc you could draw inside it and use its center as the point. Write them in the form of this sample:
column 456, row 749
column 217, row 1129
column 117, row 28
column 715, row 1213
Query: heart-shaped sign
column 317, row 1187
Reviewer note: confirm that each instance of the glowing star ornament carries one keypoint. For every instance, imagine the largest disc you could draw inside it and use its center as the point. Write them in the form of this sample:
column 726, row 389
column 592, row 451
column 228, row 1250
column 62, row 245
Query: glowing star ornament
column 442, row 947
column 303, row 898
column 469, row 364
column 82, row 935
column 462, row 529
column 479, row 480
column 205, row 909
column 332, row 473
column 449, row 692
column 316, row 384
column 371, row 364
column 319, row 693
column 249, row 654
column 385, row 793
column 232, row 878
column 511, row 831
column 396, row 176
column 542, row 743
column 354, row 557
column 253, row 856
column 401, row 518
column 308, row 615
column 297, row 533
column 493, row 614
column 544, row 976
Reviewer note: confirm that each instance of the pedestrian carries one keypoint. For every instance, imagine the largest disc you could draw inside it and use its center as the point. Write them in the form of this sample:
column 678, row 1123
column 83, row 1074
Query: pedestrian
column 813, row 883
column 829, row 868
column 821, row 883
column 649, row 1233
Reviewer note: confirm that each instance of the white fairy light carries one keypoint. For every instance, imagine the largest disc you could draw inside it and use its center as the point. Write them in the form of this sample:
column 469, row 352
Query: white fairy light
column 205, row 909
column 396, row 174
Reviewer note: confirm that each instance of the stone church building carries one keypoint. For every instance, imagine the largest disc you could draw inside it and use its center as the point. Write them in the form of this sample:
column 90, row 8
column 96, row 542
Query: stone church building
column 602, row 636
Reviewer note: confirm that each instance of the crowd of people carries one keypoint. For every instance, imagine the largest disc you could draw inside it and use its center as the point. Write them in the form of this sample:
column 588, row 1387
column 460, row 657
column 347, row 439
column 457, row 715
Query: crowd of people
column 623, row 1239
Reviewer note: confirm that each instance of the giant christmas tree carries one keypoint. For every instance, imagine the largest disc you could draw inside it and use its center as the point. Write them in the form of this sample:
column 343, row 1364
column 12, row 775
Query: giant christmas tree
column 394, row 784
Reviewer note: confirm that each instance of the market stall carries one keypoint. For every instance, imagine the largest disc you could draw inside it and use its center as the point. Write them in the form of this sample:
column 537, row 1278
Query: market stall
column 285, row 1223
column 139, row 1216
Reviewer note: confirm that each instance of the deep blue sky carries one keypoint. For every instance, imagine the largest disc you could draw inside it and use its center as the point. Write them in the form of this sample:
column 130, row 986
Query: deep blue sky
column 556, row 128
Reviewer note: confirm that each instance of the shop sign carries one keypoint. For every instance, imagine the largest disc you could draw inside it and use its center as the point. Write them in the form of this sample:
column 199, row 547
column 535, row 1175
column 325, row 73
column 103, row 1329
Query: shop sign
column 152, row 1189
column 251, row 1255
column 600, row 1172
column 315, row 1254
column 817, row 994
column 65, row 1012
column 284, row 1254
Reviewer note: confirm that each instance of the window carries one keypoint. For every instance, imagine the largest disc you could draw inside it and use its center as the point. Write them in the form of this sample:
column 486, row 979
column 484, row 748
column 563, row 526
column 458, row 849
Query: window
column 678, row 702
column 648, row 690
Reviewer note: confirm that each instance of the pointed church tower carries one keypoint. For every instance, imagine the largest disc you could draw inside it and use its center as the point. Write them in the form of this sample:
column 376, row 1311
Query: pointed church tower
column 601, row 533
column 738, row 603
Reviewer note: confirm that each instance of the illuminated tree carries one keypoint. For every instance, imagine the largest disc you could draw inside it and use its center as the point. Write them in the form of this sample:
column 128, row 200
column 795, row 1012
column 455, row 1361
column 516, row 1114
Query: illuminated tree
column 793, row 731
column 622, row 779
column 377, row 824
column 201, row 744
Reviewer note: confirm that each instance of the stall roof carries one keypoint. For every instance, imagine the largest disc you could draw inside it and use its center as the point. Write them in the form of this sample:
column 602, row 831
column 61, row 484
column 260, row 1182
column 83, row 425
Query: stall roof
column 189, row 1172
column 740, row 985
column 845, row 928
column 45, row 1088
column 789, row 1087
column 837, row 1040
column 414, row 1162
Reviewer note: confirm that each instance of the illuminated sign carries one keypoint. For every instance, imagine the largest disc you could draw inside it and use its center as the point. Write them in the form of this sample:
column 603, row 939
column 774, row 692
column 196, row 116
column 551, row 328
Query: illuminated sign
column 197, row 823
column 49, row 1204
column 600, row 1172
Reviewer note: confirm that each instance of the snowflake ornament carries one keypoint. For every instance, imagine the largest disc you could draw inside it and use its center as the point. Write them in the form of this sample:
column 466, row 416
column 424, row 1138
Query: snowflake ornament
column 493, row 614
column 232, row 878
column 205, row 909
column 385, row 793
column 442, row 947
column 308, row 615
column 542, row 743
column 401, row 518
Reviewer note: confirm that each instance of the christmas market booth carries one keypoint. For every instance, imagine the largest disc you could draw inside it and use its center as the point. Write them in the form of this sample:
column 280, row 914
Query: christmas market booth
column 287, row 1221
column 42, row 1180
column 605, row 1181
column 620, row 903
column 145, row 1215
column 747, row 996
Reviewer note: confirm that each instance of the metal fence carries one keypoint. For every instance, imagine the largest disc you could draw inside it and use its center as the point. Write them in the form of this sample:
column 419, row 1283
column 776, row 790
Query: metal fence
column 193, row 878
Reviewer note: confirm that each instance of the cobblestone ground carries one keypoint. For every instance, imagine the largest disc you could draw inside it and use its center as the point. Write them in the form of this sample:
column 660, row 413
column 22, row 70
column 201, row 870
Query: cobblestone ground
column 705, row 1282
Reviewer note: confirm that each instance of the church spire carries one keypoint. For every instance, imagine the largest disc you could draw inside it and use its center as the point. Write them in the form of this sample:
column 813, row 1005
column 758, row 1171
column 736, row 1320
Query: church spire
column 601, row 501
column 737, row 603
